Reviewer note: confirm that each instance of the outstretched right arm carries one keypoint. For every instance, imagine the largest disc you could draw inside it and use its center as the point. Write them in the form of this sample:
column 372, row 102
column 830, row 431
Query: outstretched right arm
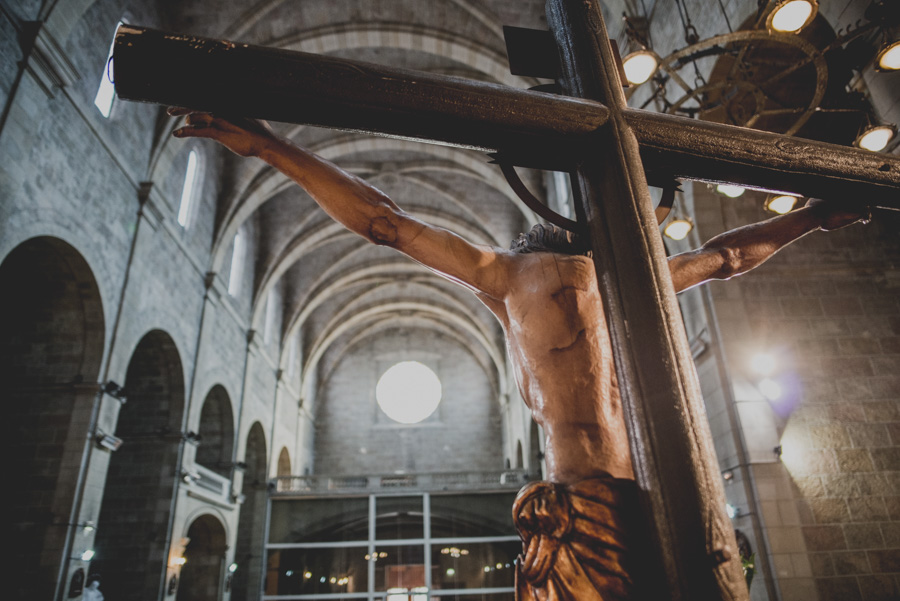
column 356, row 204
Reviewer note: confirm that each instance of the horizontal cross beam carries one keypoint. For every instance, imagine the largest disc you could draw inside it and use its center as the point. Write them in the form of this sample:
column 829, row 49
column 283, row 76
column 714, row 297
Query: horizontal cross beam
column 533, row 129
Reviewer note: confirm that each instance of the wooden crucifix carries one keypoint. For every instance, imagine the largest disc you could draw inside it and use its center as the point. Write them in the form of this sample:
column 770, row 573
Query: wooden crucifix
column 592, row 133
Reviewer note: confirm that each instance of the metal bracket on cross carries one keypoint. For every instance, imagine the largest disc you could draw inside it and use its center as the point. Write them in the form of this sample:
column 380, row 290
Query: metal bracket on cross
column 531, row 201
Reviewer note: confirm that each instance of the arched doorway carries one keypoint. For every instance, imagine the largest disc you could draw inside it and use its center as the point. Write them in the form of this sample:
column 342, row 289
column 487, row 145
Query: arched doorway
column 216, row 432
column 284, row 463
column 202, row 575
column 51, row 348
column 251, row 527
column 134, row 517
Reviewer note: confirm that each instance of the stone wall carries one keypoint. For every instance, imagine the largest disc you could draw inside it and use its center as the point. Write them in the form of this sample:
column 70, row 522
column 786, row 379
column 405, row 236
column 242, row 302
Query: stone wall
column 827, row 308
column 353, row 435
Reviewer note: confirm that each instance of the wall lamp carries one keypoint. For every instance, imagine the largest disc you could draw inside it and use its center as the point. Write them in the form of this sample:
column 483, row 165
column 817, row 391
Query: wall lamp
column 115, row 391
column 107, row 441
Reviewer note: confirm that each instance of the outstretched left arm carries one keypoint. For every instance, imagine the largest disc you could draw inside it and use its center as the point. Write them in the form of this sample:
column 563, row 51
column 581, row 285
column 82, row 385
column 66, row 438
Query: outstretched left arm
column 738, row 251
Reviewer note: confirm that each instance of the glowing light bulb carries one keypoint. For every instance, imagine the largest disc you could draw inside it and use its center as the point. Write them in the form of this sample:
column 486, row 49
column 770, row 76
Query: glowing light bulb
column 889, row 58
column 87, row 555
column 232, row 568
column 678, row 229
column 792, row 16
column 781, row 204
column 639, row 66
column 876, row 138
column 729, row 190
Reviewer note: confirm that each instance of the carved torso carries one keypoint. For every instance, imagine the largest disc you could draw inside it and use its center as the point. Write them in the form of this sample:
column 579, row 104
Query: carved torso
column 559, row 345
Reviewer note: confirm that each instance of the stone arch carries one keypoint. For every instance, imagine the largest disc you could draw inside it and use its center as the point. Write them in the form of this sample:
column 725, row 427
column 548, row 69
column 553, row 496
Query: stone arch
column 53, row 327
column 216, row 432
column 202, row 575
column 52, row 336
column 134, row 516
column 251, row 524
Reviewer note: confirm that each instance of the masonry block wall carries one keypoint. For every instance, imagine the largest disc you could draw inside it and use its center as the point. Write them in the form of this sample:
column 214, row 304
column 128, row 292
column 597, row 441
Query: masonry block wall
column 460, row 436
column 827, row 308
column 76, row 180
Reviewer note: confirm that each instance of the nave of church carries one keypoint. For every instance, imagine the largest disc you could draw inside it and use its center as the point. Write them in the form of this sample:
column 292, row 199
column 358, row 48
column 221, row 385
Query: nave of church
column 197, row 360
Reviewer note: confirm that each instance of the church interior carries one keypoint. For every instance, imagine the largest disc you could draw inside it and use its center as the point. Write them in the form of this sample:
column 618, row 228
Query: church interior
column 218, row 377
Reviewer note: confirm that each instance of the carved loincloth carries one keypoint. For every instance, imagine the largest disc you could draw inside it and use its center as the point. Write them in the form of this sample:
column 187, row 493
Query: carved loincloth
column 577, row 540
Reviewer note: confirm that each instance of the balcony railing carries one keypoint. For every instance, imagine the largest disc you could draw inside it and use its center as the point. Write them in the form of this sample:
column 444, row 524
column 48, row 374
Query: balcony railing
column 211, row 482
column 321, row 485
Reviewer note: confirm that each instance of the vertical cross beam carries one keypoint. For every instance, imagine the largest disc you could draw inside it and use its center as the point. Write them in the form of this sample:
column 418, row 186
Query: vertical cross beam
column 674, row 460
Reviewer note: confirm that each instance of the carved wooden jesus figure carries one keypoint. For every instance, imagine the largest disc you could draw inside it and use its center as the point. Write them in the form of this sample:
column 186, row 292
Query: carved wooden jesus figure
column 575, row 528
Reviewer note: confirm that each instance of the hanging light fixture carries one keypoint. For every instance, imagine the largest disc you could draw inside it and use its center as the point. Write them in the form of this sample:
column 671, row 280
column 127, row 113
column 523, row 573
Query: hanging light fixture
column 888, row 58
column 678, row 228
column 640, row 66
column 781, row 204
column 729, row 190
column 876, row 137
column 790, row 16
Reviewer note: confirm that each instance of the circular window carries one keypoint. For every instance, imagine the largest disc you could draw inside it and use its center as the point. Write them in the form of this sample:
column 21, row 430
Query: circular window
column 408, row 392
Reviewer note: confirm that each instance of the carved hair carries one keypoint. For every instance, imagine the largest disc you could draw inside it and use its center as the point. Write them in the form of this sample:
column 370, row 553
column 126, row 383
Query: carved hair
column 550, row 239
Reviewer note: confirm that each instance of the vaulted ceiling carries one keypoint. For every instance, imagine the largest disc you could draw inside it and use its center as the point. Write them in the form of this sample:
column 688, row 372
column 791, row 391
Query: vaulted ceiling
column 336, row 289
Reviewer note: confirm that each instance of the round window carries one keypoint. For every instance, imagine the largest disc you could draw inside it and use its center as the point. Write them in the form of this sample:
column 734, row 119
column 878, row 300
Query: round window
column 408, row 392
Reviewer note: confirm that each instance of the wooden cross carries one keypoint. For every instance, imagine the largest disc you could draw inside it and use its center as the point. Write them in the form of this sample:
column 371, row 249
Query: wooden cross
column 594, row 134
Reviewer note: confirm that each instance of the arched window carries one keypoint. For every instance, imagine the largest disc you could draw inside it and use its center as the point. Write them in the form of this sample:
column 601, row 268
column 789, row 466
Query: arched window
column 106, row 93
column 292, row 356
column 408, row 392
column 271, row 307
column 189, row 189
column 563, row 193
column 237, row 263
